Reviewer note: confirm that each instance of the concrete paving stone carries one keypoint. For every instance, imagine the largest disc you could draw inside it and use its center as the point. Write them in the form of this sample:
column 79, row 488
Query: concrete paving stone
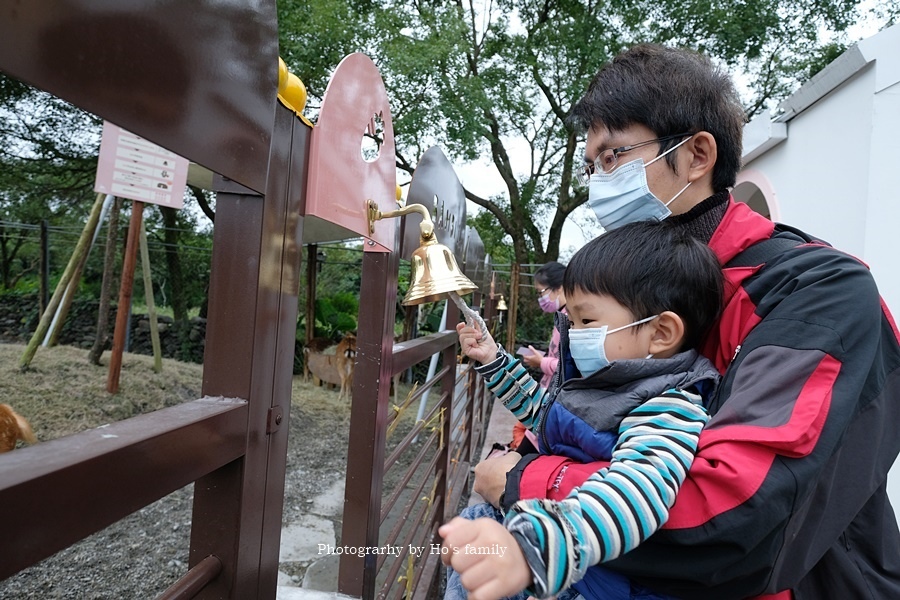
column 323, row 574
column 295, row 593
column 330, row 503
column 300, row 540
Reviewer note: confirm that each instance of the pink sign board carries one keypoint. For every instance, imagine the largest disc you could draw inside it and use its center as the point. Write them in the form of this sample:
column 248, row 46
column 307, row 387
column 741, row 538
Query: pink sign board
column 131, row 167
column 341, row 179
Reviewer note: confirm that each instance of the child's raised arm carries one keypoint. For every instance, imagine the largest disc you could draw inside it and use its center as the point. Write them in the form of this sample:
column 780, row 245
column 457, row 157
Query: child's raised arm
column 473, row 346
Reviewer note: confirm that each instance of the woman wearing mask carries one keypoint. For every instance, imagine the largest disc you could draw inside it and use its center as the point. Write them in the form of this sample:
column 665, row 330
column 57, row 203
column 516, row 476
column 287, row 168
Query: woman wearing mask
column 548, row 283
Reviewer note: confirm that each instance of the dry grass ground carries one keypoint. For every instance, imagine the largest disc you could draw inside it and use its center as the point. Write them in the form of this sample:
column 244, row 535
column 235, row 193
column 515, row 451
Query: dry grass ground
column 61, row 393
column 141, row 555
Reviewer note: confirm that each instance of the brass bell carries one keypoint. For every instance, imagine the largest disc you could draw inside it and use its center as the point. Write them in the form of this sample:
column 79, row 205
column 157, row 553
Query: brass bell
column 501, row 304
column 435, row 274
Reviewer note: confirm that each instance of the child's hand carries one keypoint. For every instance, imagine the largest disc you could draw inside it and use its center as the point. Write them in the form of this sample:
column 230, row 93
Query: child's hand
column 486, row 556
column 471, row 344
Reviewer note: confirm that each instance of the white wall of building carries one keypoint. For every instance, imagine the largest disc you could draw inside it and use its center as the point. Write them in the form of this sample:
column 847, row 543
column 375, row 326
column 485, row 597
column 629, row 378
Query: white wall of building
column 820, row 173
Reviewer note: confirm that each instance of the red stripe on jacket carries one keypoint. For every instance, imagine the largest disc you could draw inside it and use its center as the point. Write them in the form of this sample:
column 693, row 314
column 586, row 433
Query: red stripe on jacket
column 732, row 462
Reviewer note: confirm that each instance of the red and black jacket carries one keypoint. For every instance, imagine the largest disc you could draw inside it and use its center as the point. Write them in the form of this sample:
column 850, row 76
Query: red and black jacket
column 787, row 494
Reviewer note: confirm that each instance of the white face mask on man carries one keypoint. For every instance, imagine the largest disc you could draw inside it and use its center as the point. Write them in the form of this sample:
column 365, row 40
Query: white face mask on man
column 623, row 196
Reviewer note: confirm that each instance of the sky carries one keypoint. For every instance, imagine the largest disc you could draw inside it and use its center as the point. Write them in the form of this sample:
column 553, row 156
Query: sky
column 481, row 177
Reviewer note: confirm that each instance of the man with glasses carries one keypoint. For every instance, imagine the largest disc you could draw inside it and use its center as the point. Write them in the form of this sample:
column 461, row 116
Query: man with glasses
column 786, row 498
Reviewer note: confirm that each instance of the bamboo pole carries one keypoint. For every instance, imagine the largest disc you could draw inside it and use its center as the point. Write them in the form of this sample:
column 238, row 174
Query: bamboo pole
column 50, row 311
column 56, row 325
column 109, row 261
column 45, row 265
column 125, row 290
column 151, row 306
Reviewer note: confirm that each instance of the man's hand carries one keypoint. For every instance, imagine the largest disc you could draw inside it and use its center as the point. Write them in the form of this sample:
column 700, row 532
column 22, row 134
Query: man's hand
column 473, row 346
column 490, row 476
column 486, row 556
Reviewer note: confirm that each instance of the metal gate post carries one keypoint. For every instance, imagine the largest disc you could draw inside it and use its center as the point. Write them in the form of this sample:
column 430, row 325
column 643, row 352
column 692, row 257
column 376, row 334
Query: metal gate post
column 249, row 354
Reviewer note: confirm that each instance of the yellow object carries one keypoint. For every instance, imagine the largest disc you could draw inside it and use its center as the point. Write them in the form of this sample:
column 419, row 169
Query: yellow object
column 291, row 91
column 282, row 76
column 295, row 93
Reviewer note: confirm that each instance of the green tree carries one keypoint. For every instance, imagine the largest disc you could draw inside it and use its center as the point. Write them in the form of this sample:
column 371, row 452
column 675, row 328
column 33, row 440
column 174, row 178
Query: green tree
column 45, row 173
column 48, row 163
column 497, row 79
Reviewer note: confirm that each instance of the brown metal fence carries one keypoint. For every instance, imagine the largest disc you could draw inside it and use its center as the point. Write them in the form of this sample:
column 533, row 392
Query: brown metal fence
column 214, row 103
column 231, row 443
column 399, row 513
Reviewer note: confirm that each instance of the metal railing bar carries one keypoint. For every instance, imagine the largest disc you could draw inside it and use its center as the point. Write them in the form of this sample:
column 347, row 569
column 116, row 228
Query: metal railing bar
column 413, row 468
column 420, row 391
column 395, row 568
column 108, row 473
column 423, row 559
column 464, row 374
column 192, row 582
column 462, row 445
column 457, row 482
column 404, row 444
column 413, row 498
column 399, row 562
column 428, row 571
column 410, row 352
column 427, row 538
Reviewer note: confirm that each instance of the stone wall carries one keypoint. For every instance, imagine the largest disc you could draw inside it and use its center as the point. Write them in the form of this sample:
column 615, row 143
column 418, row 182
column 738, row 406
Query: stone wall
column 19, row 318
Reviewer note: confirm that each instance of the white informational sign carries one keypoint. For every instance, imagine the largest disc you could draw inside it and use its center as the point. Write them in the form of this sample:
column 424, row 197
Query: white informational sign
column 131, row 167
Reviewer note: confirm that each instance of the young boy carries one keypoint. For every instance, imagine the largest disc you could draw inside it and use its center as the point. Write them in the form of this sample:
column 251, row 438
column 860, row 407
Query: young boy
column 629, row 388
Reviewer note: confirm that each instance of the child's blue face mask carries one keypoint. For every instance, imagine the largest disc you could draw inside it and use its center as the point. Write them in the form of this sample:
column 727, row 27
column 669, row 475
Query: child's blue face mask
column 588, row 346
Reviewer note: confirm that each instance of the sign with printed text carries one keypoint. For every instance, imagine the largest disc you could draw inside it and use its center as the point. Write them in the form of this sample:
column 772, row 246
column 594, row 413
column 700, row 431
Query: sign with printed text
column 131, row 167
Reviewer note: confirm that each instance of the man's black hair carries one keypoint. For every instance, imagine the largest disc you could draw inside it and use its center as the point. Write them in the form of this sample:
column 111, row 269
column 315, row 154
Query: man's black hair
column 670, row 91
column 650, row 267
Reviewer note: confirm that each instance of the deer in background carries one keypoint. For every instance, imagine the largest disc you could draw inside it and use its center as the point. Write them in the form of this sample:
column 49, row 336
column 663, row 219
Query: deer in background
column 345, row 358
column 317, row 344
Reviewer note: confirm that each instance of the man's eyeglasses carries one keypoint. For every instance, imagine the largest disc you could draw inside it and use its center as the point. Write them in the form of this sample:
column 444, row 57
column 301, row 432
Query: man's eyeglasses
column 607, row 160
column 543, row 291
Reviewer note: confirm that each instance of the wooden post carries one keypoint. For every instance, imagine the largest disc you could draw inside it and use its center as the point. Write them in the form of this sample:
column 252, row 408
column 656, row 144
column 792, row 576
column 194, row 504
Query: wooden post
column 513, row 304
column 62, row 311
column 125, row 289
column 109, row 261
column 82, row 245
column 45, row 265
column 311, row 274
column 151, row 306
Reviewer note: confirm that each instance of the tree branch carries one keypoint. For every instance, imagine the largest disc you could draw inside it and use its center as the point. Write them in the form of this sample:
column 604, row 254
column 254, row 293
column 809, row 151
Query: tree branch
column 203, row 202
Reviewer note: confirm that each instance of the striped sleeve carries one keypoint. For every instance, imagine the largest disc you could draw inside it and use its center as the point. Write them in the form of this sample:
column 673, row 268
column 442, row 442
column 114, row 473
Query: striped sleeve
column 618, row 507
column 511, row 383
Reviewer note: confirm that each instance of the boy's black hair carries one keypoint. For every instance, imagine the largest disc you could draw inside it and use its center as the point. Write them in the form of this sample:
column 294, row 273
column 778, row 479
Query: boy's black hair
column 550, row 274
column 650, row 267
column 671, row 91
